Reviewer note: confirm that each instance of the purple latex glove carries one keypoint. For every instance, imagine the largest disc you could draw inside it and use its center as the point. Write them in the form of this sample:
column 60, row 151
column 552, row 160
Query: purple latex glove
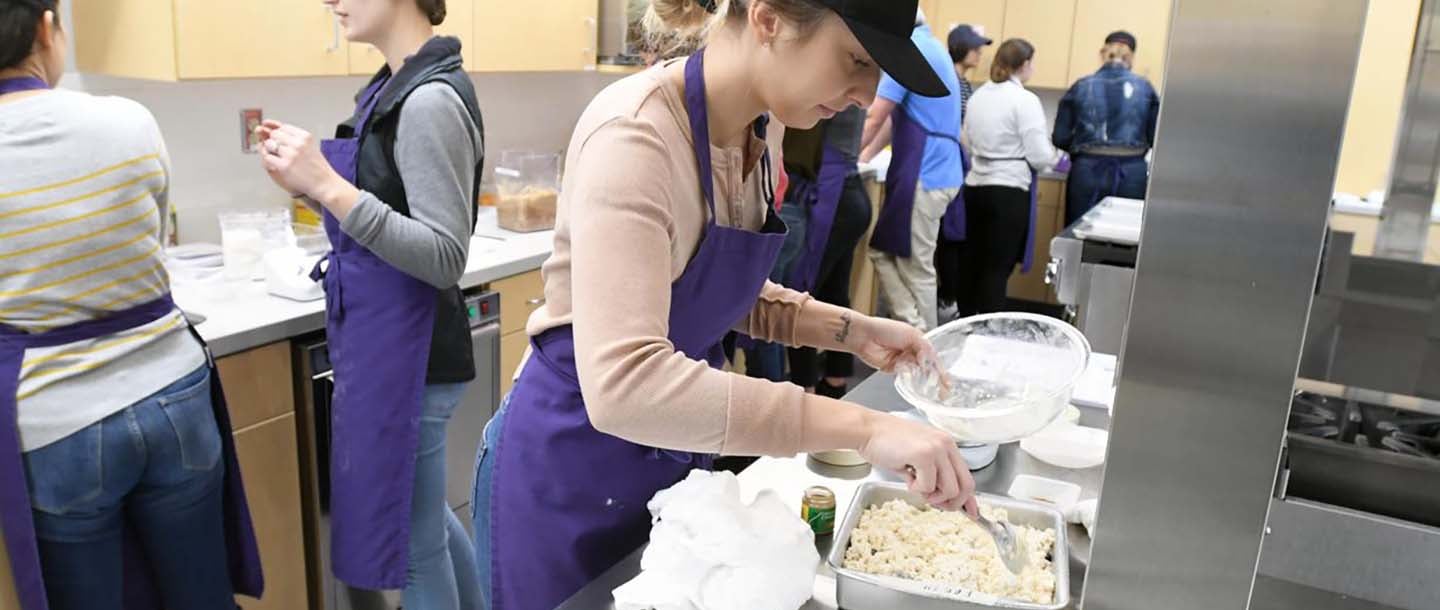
column 1063, row 165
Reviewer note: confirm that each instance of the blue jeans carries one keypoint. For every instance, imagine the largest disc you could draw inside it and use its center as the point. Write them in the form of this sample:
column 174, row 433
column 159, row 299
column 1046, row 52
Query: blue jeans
column 764, row 359
column 1093, row 178
column 442, row 562
column 480, row 502
column 154, row 465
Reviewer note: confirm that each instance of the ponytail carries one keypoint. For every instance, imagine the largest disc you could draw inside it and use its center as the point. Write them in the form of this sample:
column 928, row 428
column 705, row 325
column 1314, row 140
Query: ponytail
column 1011, row 56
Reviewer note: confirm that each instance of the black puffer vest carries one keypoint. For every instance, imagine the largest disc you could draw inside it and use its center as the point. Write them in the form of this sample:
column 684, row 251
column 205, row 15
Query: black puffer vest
column 451, row 357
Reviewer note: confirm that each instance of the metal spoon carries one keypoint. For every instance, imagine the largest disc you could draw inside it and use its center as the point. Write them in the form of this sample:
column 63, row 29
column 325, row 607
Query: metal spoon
column 1002, row 532
column 1005, row 543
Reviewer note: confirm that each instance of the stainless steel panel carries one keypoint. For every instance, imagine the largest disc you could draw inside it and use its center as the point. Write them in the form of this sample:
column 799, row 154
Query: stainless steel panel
column 1105, row 305
column 1235, row 214
column 1375, row 323
column 1405, row 216
column 1064, row 270
column 1365, row 478
column 1277, row 594
column 1382, row 560
column 859, row 591
column 1367, row 395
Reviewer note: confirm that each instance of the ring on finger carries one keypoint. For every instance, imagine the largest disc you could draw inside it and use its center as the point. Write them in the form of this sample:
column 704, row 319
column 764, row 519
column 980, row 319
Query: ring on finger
column 272, row 146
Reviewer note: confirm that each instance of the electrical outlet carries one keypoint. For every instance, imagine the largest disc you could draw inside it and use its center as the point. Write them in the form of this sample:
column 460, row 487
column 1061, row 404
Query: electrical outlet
column 250, row 118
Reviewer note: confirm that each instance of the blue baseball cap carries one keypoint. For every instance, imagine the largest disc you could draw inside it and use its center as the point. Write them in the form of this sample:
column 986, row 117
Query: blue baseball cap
column 965, row 37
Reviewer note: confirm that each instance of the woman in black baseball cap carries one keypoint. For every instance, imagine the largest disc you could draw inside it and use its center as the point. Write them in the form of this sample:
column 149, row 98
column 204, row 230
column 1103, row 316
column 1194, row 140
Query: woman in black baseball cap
column 665, row 235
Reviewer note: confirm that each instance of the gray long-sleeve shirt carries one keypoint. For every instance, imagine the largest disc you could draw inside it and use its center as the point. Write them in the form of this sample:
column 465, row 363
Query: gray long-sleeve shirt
column 437, row 165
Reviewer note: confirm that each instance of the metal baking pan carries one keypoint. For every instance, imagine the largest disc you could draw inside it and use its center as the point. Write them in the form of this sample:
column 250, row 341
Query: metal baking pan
column 860, row 591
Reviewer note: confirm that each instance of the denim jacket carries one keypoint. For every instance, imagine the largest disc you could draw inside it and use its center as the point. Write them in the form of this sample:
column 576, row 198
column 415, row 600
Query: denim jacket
column 1112, row 108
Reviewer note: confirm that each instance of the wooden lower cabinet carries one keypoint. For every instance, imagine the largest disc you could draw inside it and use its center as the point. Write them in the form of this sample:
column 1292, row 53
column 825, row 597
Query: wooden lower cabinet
column 260, row 393
column 8, row 598
column 257, row 384
column 520, row 296
column 1050, row 220
column 864, row 286
column 269, row 460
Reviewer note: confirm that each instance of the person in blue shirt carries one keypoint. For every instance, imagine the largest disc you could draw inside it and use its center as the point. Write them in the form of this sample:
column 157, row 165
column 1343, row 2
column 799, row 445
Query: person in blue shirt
column 923, row 181
column 1106, row 121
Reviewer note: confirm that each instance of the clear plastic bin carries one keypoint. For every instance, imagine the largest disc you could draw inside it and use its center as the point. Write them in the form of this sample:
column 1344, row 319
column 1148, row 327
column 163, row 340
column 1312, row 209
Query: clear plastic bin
column 528, row 185
column 245, row 237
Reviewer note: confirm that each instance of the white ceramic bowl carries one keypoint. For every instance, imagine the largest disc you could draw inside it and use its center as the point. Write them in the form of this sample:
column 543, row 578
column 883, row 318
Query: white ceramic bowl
column 1009, row 374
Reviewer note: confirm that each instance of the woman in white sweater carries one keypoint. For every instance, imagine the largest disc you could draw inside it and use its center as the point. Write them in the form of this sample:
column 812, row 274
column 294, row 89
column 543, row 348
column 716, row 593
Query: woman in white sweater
column 1008, row 142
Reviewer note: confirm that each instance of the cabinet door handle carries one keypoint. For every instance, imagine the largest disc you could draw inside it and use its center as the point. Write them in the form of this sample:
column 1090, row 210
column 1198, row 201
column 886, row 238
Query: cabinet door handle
column 536, row 302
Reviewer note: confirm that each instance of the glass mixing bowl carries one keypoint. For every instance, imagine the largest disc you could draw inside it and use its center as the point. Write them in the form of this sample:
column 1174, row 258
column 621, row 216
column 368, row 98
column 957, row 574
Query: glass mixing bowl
column 1006, row 376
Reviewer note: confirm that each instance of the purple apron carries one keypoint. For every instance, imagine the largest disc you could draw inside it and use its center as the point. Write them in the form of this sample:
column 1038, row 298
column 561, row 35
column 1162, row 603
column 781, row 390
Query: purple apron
column 952, row 225
column 568, row 501
column 1026, row 257
column 907, row 146
column 378, row 324
column 821, row 198
column 16, row 520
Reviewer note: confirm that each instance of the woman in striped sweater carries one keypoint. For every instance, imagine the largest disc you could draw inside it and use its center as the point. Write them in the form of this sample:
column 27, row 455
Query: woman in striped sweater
column 116, row 429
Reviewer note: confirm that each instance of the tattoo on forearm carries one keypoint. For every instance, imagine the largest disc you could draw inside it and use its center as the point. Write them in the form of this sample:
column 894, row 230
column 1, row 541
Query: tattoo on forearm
column 844, row 332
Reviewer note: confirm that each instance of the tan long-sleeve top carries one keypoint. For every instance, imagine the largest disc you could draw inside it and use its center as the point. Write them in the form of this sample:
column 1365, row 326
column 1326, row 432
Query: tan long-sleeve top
column 630, row 217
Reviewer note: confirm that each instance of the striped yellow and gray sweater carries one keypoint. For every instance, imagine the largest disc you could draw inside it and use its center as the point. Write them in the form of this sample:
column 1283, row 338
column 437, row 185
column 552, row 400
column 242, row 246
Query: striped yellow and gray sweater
column 83, row 187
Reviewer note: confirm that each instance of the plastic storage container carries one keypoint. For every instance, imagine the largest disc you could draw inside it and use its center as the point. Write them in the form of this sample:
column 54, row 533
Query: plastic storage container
column 245, row 237
column 1068, row 446
column 528, row 185
column 1008, row 375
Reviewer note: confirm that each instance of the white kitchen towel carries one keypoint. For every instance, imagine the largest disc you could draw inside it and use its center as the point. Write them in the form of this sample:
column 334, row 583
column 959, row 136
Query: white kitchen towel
column 710, row 551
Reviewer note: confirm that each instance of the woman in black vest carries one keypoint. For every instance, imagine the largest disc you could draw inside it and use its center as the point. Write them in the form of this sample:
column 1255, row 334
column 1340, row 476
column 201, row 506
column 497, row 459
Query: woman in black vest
column 397, row 187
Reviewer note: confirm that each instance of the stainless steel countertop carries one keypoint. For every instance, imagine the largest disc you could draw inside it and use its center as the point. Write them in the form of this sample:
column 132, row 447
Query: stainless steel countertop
column 878, row 392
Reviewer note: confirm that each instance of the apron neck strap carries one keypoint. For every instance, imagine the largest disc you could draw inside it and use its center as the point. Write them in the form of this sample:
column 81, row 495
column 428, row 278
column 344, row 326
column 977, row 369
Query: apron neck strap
column 700, row 133
column 368, row 98
column 22, row 83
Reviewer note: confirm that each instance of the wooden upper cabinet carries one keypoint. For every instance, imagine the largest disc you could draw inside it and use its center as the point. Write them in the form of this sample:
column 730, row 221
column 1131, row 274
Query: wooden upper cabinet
column 944, row 15
column 1047, row 24
column 200, row 39
column 130, row 38
column 553, row 35
column 1148, row 20
column 459, row 22
column 258, row 38
column 210, row 39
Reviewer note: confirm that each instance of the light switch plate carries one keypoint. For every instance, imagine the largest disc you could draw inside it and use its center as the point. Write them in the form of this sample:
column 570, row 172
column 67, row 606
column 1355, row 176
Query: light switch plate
column 250, row 118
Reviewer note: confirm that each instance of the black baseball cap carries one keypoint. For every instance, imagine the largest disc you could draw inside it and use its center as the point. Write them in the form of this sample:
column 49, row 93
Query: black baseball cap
column 1122, row 37
column 883, row 27
column 965, row 37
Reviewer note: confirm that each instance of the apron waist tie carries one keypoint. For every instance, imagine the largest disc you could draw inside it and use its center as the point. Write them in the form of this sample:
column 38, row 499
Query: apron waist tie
column 328, row 264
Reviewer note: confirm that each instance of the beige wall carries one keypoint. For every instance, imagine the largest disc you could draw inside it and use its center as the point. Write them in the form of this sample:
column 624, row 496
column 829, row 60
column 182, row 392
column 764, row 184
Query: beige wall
column 201, row 124
column 1368, row 149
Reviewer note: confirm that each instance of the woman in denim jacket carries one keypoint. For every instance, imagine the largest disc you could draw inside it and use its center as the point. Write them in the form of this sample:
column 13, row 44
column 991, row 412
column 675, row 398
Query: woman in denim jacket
column 1106, row 121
